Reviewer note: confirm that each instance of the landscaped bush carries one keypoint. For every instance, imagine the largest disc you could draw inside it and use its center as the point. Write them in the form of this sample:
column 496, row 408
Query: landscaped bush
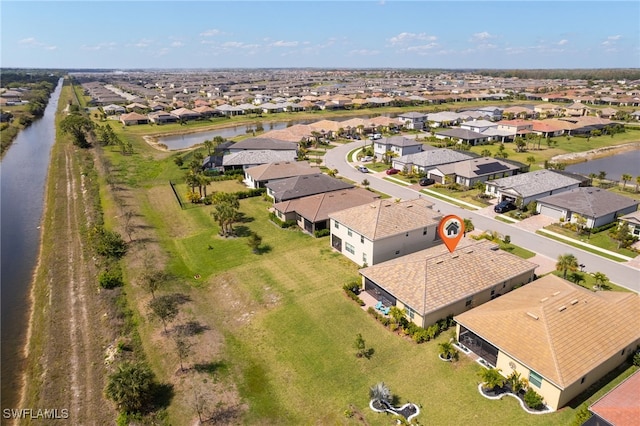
column 108, row 243
column 321, row 233
column 533, row 399
column 282, row 224
column 253, row 192
column 348, row 288
column 636, row 359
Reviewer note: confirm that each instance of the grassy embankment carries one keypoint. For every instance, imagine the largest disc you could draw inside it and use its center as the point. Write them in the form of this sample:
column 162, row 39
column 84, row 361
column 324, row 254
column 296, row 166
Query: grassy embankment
column 280, row 327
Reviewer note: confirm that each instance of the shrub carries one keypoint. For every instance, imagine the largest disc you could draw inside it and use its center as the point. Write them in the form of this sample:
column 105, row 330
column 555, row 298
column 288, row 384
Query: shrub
column 321, row 233
column 420, row 336
column 533, row 399
column 636, row 359
column 111, row 278
column 348, row 289
column 108, row 243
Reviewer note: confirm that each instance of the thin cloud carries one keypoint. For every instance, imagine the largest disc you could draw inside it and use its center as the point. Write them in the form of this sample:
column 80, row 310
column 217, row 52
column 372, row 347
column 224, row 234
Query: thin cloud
column 364, row 52
column 562, row 42
column 422, row 49
column 177, row 44
column 210, row 33
column 404, row 38
column 32, row 42
column 614, row 37
column 481, row 37
column 282, row 43
column 100, row 46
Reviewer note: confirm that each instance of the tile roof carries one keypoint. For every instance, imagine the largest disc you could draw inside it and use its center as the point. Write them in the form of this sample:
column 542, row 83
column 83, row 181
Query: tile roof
column 556, row 328
column 475, row 167
column 632, row 217
column 621, row 405
column 264, row 143
column 446, row 277
column 434, row 157
column 318, row 207
column 280, row 170
column 459, row 133
column 302, row 186
column 291, row 134
column 384, row 218
column 589, row 201
column 257, row 157
column 534, row 183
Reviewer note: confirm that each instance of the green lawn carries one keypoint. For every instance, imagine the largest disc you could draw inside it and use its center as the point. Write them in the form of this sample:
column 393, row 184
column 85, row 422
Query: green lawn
column 601, row 239
column 468, row 196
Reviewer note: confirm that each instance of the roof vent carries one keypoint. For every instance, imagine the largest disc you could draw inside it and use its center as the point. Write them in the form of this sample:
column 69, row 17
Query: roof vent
column 544, row 299
column 455, row 256
column 556, row 293
column 562, row 308
column 469, row 251
column 574, row 301
column 439, row 262
column 534, row 316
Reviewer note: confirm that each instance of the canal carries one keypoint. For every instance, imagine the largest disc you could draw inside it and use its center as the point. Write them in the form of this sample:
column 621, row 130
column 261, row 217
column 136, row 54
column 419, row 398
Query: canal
column 23, row 173
column 614, row 166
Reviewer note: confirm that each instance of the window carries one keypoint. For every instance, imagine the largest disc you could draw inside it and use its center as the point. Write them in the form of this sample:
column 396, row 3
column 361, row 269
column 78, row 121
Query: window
column 364, row 257
column 348, row 247
column 535, row 379
column 424, row 231
column 410, row 312
column 583, row 379
column 337, row 225
column 397, row 251
column 469, row 301
column 349, row 233
column 362, row 239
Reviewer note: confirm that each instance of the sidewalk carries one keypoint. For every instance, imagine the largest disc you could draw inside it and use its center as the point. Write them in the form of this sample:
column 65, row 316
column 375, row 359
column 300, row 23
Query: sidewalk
column 592, row 247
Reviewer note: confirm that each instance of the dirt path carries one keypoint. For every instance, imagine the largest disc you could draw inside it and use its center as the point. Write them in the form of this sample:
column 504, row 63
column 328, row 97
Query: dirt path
column 71, row 358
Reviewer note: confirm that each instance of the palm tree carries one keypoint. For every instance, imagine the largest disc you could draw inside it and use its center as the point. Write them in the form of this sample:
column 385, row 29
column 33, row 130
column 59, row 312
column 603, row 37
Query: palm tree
column 637, row 182
column 531, row 159
column 602, row 175
column 208, row 144
column 601, row 279
column 380, row 393
column 626, row 177
column 254, row 242
column 130, row 387
column 566, row 262
column 491, row 378
column 447, row 350
column 576, row 277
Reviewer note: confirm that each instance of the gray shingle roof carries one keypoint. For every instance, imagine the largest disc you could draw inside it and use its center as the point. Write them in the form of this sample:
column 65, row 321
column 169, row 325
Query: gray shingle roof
column 534, row 183
column 257, row 157
column 589, row 202
column 461, row 134
column 434, row 157
column 302, row 186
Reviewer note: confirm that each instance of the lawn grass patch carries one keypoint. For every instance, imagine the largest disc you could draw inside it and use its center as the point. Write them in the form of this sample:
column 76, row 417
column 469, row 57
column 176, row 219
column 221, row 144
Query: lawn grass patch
column 517, row 250
column 602, row 239
column 585, row 248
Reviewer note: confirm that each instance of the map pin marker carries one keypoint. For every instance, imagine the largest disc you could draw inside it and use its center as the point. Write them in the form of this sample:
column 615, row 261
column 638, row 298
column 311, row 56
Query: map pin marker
column 451, row 230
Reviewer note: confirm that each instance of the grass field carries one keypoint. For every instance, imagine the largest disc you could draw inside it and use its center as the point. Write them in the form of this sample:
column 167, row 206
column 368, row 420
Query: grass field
column 601, row 239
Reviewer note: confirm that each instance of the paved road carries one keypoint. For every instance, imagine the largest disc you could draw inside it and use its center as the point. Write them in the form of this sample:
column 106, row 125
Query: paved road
column 618, row 273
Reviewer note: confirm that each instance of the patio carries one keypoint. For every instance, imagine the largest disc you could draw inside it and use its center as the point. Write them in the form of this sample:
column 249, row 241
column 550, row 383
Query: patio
column 370, row 299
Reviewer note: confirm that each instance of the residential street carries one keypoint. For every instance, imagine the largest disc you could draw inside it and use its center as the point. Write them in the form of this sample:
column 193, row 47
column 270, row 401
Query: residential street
column 618, row 272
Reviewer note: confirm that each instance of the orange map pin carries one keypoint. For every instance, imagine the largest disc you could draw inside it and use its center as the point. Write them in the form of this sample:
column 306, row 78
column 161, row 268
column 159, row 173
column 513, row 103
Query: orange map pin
column 451, row 230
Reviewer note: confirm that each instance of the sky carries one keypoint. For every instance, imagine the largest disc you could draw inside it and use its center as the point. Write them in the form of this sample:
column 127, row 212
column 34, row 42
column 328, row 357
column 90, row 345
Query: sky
column 319, row 34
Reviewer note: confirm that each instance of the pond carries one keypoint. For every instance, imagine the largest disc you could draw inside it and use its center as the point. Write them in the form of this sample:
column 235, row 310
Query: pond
column 615, row 166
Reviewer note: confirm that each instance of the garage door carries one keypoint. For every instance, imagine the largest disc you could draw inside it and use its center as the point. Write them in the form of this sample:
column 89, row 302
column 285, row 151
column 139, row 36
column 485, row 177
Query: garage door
column 552, row 212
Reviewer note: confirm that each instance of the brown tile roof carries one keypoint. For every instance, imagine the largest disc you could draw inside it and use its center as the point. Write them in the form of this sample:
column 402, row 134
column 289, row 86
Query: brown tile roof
column 318, row 207
column 292, row 134
column 621, row 405
column 384, row 218
column 280, row 170
column 560, row 330
column 446, row 277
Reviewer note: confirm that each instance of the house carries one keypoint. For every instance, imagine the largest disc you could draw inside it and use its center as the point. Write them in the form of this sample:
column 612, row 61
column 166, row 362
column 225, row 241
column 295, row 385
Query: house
column 413, row 120
column 598, row 206
column 618, row 407
column 433, row 284
column 469, row 172
column 479, row 126
column 214, row 161
column 161, row 117
column 527, row 187
column 550, row 128
column 463, row 136
column 429, row 159
column 398, row 145
column 383, row 230
column 562, row 337
column 633, row 221
column 133, row 118
column 576, row 109
column 262, row 143
column 185, row 114
column 259, row 176
column 444, row 119
column 245, row 159
column 114, row 109
column 303, row 186
column 312, row 213
column 516, row 127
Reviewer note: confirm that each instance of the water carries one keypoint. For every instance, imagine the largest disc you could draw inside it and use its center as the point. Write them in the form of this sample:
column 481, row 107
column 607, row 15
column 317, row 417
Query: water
column 23, row 173
column 615, row 166
column 192, row 139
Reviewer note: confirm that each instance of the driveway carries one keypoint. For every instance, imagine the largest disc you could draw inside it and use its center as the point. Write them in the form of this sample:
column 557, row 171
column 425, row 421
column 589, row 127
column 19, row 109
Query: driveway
column 521, row 233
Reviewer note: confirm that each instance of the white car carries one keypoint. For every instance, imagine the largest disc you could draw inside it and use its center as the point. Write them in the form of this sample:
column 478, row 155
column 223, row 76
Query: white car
column 363, row 169
column 367, row 158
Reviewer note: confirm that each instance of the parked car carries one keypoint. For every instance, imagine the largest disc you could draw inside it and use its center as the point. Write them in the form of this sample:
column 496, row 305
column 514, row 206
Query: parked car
column 426, row 182
column 367, row 158
column 392, row 171
column 504, row 206
column 363, row 169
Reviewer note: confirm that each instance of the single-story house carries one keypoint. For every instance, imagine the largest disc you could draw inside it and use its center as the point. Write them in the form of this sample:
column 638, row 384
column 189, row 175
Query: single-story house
column 620, row 406
column 112, row 109
column 444, row 119
column 259, row 176
column 559, row 336
column 433, row 284
column 251, row 158
column 262, row 143
column 633, row 221
column 185, row 114
column 303, row 186
column 161, row 117
column 464, row 136
column 469, row 172
column 527, row 187
column 429, row 159
column 598, row 206
column 312, row 213
column 133, row 118
column 384, row 229
column 399, row 145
